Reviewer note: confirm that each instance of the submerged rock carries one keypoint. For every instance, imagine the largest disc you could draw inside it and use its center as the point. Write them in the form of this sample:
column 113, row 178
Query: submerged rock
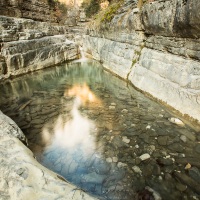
column 136, row 169
column 125, row 139
column 22, row 174
column 176, row 121
column 145, row 156
column 195, row 174
column 195, row 186
column 163, row 161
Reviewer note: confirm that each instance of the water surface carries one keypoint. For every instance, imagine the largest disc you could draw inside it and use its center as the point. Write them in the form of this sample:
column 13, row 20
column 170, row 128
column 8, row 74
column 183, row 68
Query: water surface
column 92, row 128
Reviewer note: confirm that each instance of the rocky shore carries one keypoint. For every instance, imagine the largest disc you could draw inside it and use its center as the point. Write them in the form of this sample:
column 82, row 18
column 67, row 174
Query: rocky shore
column 133, row 144
column 22, row 177
column 156, row 48
column 25, row 46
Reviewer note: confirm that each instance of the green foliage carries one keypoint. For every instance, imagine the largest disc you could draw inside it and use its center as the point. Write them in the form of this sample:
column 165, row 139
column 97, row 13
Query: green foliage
column 91, row 7
column 63, row 8
column 110, row 12
column 56, row 4
column 52, row 3
column 138, row 54
column 134, row 61
column 58, row 9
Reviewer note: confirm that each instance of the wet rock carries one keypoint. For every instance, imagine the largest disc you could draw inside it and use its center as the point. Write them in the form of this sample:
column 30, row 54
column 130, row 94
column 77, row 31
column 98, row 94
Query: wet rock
column 37, row 121
column 137, row 170
column 145, row 156
column 124, row 111
column 197, row 148
column 192, row 161
column 151, row 149
column 162, row 140
column 190, row 135
column 181, row 187
column 168, row 177
column 195, row 174
column 148, row 127
column 183, row 138
column 58, row 167
column 109, row 160
column 195, row 186
column 111, row 107
column 148, row 170
column 93, row 178
column 137, row 161
column 121, row 165
column 144, row 194
column 198, row 137
column 176, row 147
column 156, row 169
column 117, row 142
column 163, row 161
column 176, row 121
column 188, row 166
column 115, row 159
column 156, row 195
column 125, row 139
column 73, row 167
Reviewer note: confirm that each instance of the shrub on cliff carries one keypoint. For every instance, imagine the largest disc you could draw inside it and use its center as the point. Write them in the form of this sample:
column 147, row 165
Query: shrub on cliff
column 59, row 9
column 105, row 16
column 91, row 7
column 109, row 12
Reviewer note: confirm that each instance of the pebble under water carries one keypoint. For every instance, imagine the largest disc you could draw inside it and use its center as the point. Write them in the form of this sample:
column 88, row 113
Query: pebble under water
column 102, row 135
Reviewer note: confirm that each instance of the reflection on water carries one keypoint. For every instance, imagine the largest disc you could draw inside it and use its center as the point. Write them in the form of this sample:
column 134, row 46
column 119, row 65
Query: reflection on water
column 102, row 135
column 83, row 94
column 77, row 131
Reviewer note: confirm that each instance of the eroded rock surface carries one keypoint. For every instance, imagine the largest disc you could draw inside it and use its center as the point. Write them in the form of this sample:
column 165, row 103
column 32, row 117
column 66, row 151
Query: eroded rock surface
column 22, row 177
column 156, row 48
column 27, row 45
column 31, row 9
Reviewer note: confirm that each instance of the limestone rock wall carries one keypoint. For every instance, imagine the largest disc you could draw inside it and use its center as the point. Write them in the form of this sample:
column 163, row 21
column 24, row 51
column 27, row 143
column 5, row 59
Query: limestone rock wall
column 22, row 177
column 156, row 48
column 27, row 45
column 31, row 9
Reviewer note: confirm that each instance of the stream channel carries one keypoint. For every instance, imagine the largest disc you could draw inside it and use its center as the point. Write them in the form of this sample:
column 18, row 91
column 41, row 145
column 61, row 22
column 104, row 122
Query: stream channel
column 102, row 135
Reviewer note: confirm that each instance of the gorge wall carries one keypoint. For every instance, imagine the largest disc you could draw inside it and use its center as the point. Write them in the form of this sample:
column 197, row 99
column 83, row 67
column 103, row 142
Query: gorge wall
column 28, row 42
column 31, row 9
column 155, row 47
column 27, row 45
column 28, row 39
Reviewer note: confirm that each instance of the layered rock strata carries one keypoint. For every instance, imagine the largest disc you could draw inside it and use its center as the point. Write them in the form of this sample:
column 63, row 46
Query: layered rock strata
column 22, row 177
column 156, row 48
column 31, row 9
column 27, row 45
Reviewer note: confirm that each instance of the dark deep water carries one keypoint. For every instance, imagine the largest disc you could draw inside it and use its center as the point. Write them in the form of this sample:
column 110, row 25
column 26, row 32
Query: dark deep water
column 94, row 129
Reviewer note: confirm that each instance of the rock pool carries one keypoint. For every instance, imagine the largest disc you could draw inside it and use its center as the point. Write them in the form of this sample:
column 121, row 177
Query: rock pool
column 102, row 135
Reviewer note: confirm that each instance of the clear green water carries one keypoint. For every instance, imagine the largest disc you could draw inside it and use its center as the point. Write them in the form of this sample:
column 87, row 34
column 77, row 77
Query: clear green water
column 91, row 128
